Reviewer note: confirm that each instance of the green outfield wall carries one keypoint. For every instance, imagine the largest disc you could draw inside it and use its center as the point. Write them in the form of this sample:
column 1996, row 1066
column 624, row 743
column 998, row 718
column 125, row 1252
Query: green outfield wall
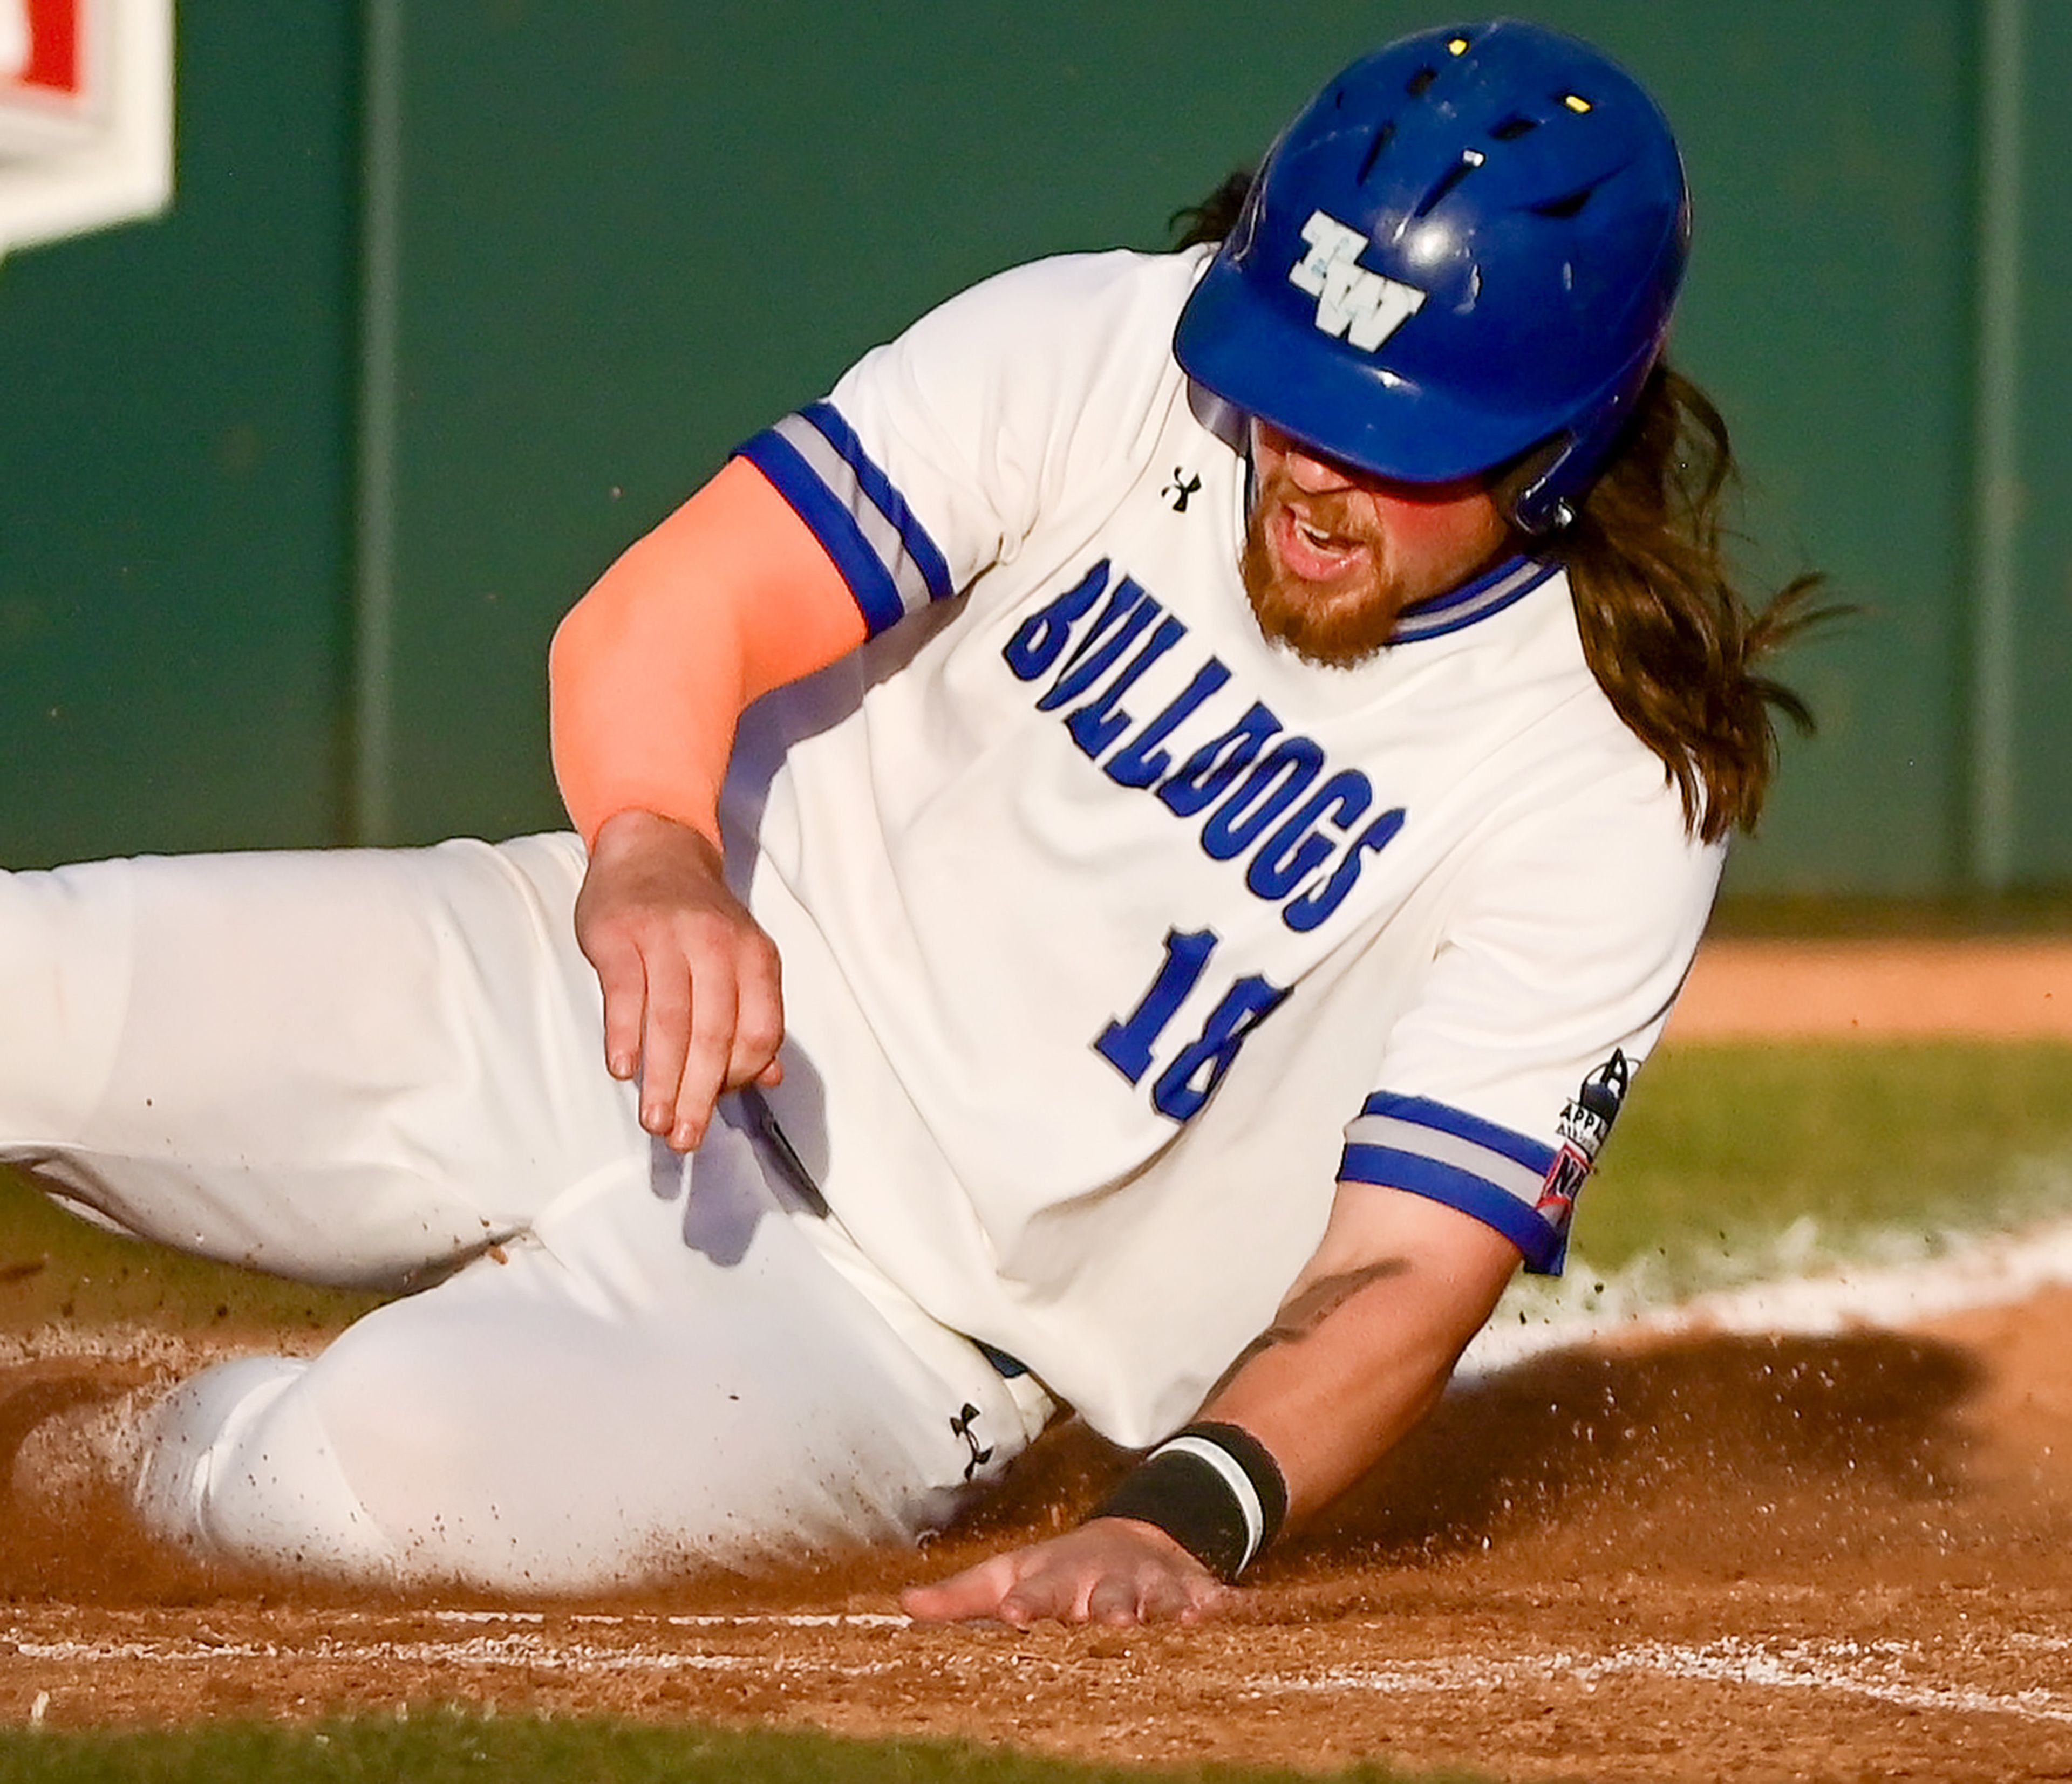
column 456, row 297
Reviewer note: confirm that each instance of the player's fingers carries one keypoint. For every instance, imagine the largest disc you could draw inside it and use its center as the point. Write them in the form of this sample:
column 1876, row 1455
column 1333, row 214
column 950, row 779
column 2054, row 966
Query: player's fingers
column 1047, row 1594
column 1167, row 1596
column 665, row 1035
column 976, row 1592
column 758, row 1022
column 1054, row 1581
column 1201, row 1606
column 1115, row 1600
column 714, row 1005
column 624, row 980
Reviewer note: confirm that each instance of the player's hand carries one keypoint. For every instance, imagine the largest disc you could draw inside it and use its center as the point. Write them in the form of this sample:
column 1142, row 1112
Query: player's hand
column 692, row 1002
column 1113, row 1571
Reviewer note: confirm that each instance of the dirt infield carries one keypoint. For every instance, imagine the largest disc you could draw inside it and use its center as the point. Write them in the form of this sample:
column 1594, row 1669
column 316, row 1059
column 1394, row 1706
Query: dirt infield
column 2017, row 988
column 1695, row 1558
column 1763, row 1559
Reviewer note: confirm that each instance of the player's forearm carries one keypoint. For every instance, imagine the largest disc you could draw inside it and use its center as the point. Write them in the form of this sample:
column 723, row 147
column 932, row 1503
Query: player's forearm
column 1352, row 1362
column 729, row 597
column 1361, row 1348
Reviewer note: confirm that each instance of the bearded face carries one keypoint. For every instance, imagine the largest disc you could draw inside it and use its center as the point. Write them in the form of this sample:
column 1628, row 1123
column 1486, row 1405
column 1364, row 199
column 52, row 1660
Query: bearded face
column 1333, row 555
column 1335, row 622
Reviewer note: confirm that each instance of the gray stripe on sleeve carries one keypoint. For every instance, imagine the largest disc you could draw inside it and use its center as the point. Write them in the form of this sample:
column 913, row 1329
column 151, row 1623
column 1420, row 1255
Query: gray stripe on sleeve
column 1447, row 1148
column 878, row 533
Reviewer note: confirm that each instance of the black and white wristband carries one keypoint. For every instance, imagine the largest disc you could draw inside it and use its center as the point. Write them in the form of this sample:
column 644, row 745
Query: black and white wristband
column 1214, row 1488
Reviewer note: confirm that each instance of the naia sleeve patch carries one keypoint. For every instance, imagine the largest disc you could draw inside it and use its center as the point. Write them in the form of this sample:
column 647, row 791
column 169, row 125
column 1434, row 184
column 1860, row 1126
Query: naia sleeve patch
column 1524, row 1187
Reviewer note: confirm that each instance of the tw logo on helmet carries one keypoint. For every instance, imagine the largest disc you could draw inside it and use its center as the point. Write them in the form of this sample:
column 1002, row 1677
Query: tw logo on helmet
column 1362, row 307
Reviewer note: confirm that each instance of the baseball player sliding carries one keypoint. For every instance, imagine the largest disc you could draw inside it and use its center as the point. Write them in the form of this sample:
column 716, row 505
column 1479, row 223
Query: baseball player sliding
column 1127, row 858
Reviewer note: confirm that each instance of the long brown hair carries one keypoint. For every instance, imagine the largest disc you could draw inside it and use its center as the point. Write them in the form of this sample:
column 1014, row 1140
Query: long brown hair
column 1667, row 632
column 1666, row 629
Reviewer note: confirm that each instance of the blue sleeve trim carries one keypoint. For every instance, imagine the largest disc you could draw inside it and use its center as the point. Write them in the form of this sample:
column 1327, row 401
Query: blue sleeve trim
column 926, row 555
column 1386, row 1168
column 1509, row 583
column 1535, row 1155
column 877, row 596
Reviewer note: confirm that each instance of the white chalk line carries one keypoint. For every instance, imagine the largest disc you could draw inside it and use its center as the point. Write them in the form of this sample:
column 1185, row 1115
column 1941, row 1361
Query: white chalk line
column 531, row 1651
column 1850, row 1669
column 527, row 1645
column 534, row 1653
column 1979, row 1271
column 1875, row 1671
column 809, row 1619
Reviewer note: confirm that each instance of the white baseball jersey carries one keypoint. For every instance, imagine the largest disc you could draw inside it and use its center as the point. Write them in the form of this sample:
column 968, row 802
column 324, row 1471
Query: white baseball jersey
column 1113, row 935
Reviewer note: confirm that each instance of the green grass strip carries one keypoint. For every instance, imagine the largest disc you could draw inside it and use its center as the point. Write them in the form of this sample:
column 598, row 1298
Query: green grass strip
column 1722, row 1149
column 451, row 1745
column 56, row 1268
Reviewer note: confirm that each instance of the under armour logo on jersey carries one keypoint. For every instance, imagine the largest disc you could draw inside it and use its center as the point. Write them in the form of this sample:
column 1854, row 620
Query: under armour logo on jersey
column 1363, row 307
column 962, row 1424
column 1182, row 487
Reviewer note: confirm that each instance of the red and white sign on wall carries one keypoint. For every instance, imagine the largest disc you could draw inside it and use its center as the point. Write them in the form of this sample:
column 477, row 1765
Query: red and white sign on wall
column 86, row 115
column 39, row 47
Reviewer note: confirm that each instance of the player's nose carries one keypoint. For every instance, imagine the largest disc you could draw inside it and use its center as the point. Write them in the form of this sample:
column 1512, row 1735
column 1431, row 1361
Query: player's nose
column 1316, row 476
column 1311, row 473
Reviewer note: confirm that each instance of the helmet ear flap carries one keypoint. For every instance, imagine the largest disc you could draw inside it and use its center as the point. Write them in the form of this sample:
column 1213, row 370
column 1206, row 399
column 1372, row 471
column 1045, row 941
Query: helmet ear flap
column 1542, row 490
column 1524, row 490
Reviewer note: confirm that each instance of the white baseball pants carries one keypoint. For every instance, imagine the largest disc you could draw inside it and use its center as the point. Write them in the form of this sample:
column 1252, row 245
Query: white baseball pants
column 376, row 1067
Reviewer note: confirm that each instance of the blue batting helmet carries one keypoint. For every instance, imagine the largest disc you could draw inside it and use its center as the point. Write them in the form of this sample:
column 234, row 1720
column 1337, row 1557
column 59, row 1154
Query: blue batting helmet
column 1461, row 257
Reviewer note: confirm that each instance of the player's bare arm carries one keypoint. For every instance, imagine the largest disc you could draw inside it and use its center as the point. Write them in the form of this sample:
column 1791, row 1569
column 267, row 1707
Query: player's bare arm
column 729, row 597
column 1360, row 1352
column 693, row 999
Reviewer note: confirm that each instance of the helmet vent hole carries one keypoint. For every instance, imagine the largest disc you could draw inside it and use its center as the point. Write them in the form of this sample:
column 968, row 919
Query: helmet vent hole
column 1470, row 160
column 1569, row 205
column 1514, row 127
column 1375, row 150
column 1419, row 81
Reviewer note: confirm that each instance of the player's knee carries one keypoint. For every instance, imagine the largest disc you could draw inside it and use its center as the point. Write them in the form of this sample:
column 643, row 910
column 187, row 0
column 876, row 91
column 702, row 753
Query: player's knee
column 237, row 1467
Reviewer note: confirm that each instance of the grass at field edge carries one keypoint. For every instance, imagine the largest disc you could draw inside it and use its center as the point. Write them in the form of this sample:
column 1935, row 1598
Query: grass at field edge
column 2042, row 913
column 434, row 1746
column 1723, row 1148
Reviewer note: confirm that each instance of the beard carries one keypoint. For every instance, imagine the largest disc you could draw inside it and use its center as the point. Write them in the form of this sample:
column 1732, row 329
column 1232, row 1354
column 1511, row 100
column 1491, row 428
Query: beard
column 1333, row 625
